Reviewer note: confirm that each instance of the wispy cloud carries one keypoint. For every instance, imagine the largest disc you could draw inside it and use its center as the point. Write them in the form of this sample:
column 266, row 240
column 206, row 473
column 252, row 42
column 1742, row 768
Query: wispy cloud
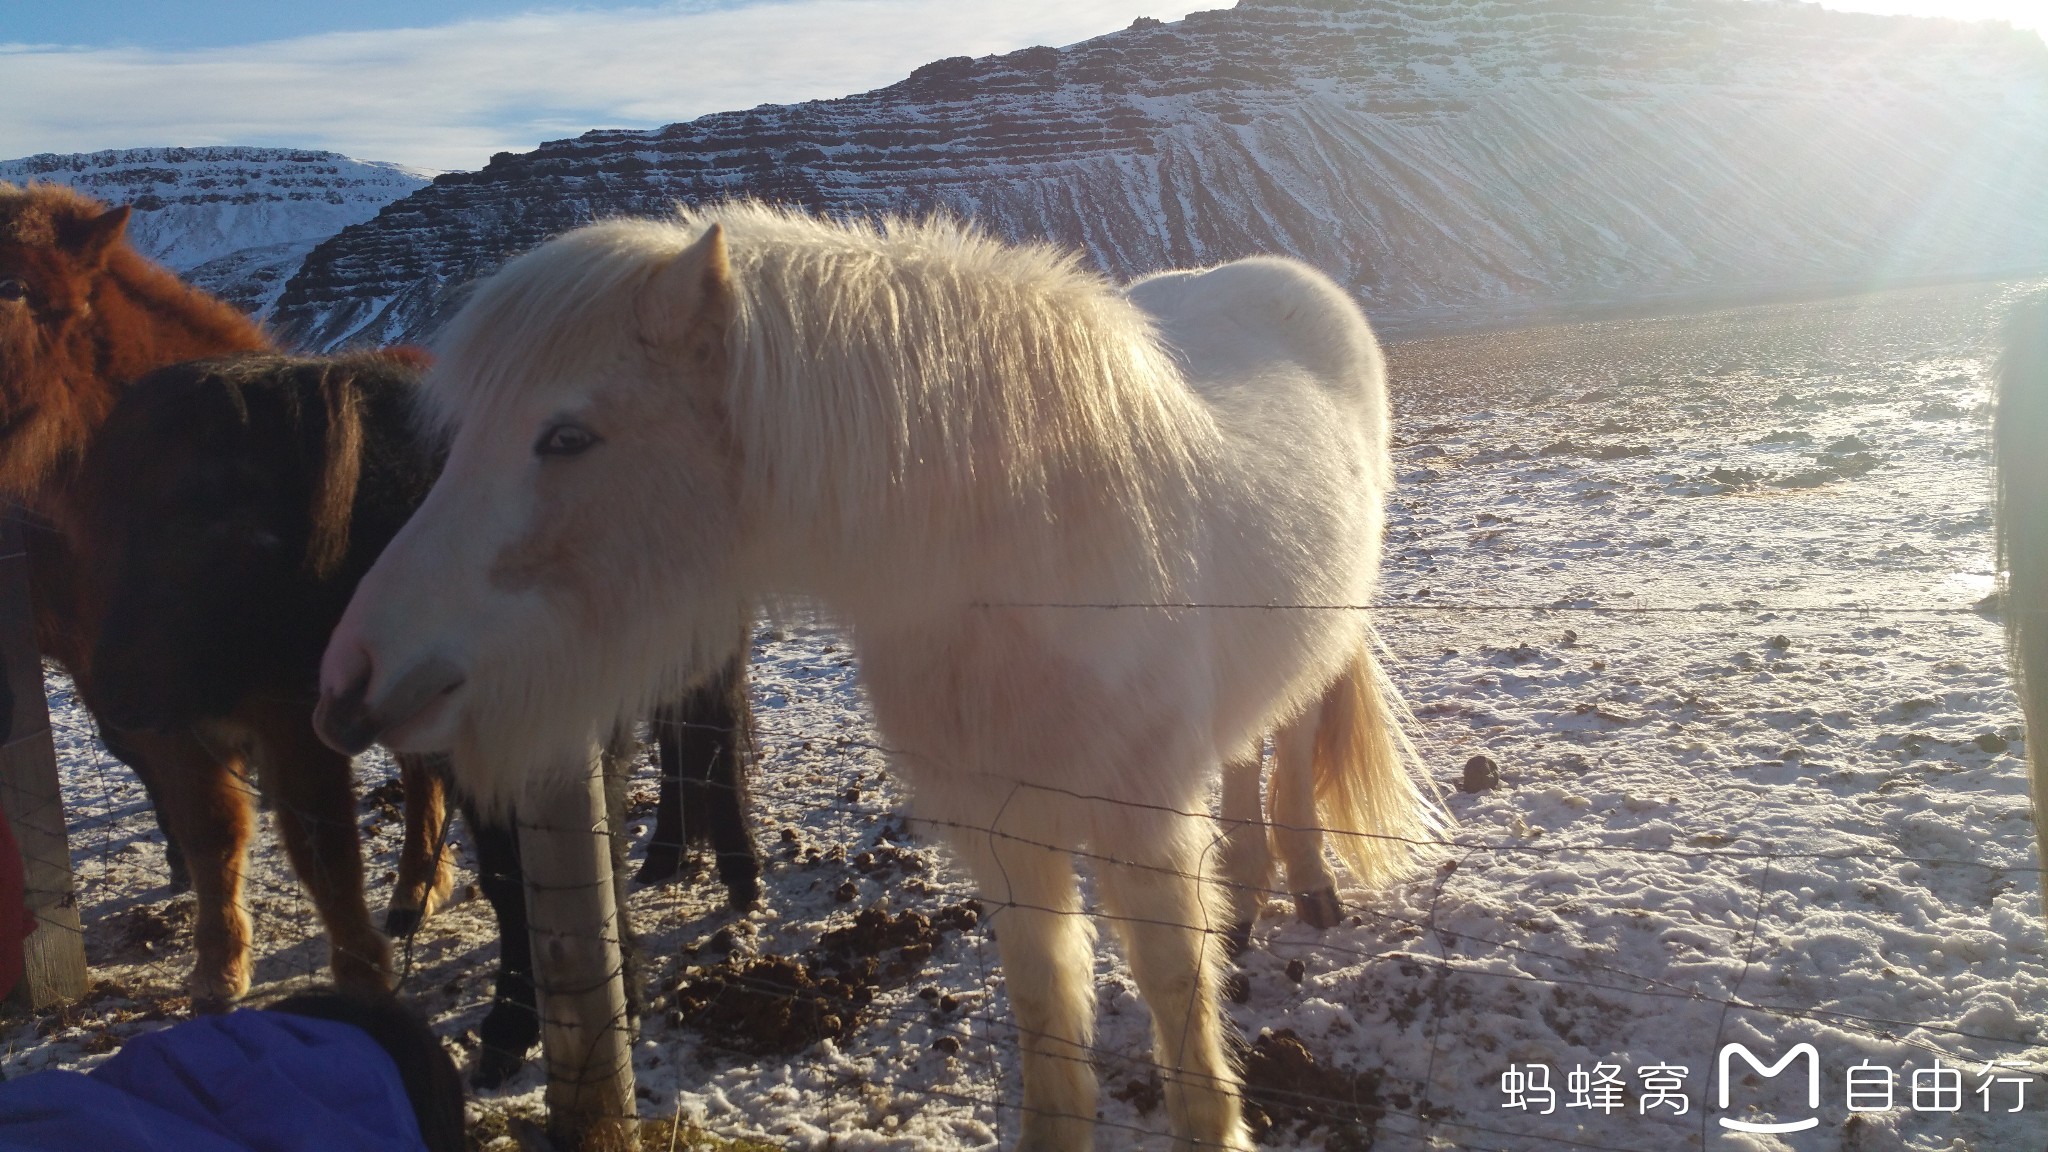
column 448, row 97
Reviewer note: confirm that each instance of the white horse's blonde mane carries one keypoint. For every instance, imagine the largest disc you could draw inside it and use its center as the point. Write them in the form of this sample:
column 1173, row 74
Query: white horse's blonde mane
column 871, row 356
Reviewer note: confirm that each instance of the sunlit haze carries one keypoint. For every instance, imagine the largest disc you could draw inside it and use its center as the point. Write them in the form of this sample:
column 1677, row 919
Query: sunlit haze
column 2020, row 13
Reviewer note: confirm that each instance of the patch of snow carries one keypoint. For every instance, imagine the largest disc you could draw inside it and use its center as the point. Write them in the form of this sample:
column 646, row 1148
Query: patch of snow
column 1769, row 822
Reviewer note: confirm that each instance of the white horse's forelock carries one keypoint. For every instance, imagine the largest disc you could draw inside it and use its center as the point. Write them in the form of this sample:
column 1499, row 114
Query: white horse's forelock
column 542, row 315
column 848, row 356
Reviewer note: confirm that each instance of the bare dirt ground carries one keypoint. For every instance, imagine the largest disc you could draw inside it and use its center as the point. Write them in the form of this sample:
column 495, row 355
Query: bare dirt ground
column 1706, row 590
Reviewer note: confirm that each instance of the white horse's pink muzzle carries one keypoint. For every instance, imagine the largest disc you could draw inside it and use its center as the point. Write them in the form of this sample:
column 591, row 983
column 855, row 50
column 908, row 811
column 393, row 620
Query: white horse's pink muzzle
column 409, row 708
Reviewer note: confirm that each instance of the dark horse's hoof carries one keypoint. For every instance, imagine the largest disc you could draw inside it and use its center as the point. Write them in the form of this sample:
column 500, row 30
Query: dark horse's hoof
column 181, row 875
column 740, row 872
column 743, row 895
column 401, row 922
column 508, row 1033
column 664, row 864
column 494, row 1066
column 1237, row 938
column 1319, row 909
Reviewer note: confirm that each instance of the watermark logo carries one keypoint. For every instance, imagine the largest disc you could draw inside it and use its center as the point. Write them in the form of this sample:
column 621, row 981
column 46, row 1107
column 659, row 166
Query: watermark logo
column 1871, row 1088
column 1730, row 1051
column 2019, row 1085
column 1527, row 1086
column 1664, row 1087
column 1536, row 1089
column 1601, row 1089
column 1937, row 1089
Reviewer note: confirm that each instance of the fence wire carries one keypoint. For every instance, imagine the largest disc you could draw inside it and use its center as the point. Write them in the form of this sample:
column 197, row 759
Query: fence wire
column 287, row 935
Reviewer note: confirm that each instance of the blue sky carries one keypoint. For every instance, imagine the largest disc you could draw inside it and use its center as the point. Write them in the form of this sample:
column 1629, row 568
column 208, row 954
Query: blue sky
column 173, row 24
column 445, row 83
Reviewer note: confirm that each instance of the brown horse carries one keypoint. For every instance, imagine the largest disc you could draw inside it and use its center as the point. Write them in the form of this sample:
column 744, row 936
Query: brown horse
column 82, row 316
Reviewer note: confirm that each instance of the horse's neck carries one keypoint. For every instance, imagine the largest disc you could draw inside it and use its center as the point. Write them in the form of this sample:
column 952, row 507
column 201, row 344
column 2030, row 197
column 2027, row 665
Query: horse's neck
column 142, row 318
column 149, row 318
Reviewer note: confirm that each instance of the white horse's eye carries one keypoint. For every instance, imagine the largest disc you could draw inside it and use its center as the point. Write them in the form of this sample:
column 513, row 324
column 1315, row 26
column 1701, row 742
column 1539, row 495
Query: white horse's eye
column 565, row 439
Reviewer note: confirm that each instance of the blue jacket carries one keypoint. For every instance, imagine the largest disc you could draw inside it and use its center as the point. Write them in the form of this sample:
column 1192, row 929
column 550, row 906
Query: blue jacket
column 244, row 1082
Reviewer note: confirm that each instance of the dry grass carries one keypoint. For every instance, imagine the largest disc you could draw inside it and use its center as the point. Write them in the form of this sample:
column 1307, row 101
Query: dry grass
column 491, row 1130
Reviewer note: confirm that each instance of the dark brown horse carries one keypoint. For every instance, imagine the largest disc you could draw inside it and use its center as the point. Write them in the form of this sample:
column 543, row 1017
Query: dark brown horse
column 245, row 497
column 82, row 315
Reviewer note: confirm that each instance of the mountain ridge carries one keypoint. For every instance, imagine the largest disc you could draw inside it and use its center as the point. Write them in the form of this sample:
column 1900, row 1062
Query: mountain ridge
column 235, row 220
column 1445, row 159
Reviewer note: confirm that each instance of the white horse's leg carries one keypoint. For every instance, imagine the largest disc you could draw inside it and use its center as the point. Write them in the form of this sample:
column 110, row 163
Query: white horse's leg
column 1295, row 823
column 1171, row 918
column 1048, row 950
column 1247, row 855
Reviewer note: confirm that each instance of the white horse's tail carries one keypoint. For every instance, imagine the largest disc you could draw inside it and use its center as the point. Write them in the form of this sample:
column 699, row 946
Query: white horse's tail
column 2021, row 440
column 1370, row 790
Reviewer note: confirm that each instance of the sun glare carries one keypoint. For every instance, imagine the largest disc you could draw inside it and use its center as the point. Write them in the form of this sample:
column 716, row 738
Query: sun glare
column 2019, row 13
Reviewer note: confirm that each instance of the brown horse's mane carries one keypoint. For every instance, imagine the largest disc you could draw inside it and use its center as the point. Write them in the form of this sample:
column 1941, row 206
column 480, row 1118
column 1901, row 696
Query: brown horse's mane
column 98, row 316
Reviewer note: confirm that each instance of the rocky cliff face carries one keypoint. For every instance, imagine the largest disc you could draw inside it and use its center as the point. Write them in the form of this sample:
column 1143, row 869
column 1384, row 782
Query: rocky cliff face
column 236, row 221
column 1442, row 157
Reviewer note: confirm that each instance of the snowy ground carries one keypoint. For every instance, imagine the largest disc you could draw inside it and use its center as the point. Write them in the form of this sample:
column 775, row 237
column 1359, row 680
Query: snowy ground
column 1768, row 821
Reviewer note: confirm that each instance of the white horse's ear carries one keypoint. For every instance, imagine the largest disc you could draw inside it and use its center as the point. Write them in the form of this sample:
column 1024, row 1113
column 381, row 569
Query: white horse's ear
column 685, row 310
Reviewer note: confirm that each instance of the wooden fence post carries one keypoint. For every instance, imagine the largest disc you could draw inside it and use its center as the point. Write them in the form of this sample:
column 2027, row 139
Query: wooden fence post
column 32, row 799
column 565, row 846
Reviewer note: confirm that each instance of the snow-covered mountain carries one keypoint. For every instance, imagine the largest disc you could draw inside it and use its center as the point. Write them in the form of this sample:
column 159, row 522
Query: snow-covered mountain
column 1468, row 157
column 237, row 221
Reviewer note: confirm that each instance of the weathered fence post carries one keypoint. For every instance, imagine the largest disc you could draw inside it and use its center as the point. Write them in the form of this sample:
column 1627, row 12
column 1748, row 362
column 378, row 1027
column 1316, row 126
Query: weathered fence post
column 31, row 797
column 565, row 845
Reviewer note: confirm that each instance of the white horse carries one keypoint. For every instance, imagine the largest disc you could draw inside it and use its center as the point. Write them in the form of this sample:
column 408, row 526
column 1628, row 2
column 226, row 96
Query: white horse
column 963, row 451
column 2022, row 443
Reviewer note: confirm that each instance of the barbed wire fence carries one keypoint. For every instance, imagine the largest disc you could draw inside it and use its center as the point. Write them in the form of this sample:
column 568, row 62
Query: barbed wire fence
column 291, row 948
